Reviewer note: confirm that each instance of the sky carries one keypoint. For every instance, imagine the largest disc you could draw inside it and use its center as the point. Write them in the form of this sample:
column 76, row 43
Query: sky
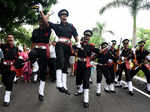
column 85, row 13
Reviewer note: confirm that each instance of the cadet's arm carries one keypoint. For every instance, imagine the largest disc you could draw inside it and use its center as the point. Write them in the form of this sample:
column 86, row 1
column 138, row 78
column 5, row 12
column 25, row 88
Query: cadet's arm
column 45, row 18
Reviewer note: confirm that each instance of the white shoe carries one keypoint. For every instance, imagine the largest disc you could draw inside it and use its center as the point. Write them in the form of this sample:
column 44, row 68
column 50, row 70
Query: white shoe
column 86, row 95
column 59, row 78
column 148, row 87
column 130, row 86
column 41, row 88
column 7, row 97
column 64, row 80
column 112, row 88
column 107, row 89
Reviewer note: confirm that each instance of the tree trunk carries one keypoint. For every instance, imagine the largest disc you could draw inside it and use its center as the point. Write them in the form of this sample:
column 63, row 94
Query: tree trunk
column 134, row 38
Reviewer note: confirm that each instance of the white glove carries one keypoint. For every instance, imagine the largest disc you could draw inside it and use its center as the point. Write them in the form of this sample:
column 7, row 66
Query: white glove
column 78, row 44
column 134, row 50
column 122, row 58
column 40, row 8
column 50, row 13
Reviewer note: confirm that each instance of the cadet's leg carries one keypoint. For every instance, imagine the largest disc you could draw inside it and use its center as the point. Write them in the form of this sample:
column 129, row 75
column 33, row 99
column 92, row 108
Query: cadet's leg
column 86, row 83
column 99, row 79
column 129, row 81
column 147, row 75
column 7, row 79
column 79, row 79
column 43, row 71
column 59, row 66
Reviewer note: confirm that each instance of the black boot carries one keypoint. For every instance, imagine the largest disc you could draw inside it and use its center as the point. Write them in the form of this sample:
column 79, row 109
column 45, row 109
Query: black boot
column 77, row 94
column 85, row 105
column 131, row 93
column 67, row 92
column 6, row 104
column 61, row 89
column 41, row 98
column 98, row 94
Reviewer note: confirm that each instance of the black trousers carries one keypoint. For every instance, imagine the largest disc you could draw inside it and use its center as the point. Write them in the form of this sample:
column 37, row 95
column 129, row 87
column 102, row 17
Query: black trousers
column 63, row 53
column 103, row 70
column 7, row 78
column 127, row 72
column 83, row 75
column 39, row 55
column 52, row 68
column 112, row 73
column 144, row 69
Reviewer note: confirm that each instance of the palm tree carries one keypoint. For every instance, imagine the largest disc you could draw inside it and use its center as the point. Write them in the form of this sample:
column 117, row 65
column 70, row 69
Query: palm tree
column 98, row 32
column 100, row 29
column 134, row 5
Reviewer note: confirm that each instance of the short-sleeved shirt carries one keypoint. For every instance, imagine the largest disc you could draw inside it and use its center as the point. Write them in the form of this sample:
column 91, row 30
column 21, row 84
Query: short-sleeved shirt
column 66, row 30
column 41, row 35
column 10, row 53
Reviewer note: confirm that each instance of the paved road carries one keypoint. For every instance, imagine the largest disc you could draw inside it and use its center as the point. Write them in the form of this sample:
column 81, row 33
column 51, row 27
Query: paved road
column 25, row 99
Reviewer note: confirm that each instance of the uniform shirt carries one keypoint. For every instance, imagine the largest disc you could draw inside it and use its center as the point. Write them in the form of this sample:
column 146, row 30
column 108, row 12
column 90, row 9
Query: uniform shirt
column 112, row 52
column 41, row 35
column 85, row 51
column 102, row 57
column 64, row 30
column 141, row 55
column 10, row 53
column 52, row 51
column 128, row 53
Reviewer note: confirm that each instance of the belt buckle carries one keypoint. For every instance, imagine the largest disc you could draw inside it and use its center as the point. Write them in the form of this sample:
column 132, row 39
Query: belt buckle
column 43, row 47
column 36, row 46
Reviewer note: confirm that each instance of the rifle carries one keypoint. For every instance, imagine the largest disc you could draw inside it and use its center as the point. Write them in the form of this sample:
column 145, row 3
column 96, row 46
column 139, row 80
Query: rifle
column 118, row 55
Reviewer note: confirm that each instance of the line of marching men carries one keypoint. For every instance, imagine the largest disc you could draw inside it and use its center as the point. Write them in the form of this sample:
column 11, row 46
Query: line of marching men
column 110, row 62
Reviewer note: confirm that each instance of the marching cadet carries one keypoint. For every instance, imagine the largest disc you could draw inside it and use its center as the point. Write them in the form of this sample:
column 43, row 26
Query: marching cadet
column 64, row 31
column 83, row 67
column 125, row 57
column 112, row 52
column 63, row 47
column 102, row 68
column 140, row 64
column 10, row 56
column 40, row 51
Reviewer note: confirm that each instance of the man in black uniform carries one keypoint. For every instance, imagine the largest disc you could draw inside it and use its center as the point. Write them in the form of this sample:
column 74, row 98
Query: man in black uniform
column 112, row 52
column 10, row 56
column 102, row 68
column 83, row 67
column 64, row 31
column 141, row 55
column 40, row 52
column 126, row 56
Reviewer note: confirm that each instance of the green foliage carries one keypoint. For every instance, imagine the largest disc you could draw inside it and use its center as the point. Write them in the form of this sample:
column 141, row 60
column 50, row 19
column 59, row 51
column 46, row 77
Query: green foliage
column 144, row 34
column 133, row 5
column 16, row 12
column 21, row 35
column 140, row 73
column 98, row 32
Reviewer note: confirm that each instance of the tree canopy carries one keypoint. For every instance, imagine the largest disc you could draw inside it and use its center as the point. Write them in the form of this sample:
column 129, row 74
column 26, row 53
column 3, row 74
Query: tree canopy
column 15, row 13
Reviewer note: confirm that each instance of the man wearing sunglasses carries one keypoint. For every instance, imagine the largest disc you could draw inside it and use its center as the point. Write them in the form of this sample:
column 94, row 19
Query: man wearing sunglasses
column 126, row 56
column 64, row 32
column 142, row 58
column 83, row 67
column 10, row 56
column 112, row 52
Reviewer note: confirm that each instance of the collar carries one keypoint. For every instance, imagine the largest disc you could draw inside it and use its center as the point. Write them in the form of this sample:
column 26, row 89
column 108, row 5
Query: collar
column 64, row 23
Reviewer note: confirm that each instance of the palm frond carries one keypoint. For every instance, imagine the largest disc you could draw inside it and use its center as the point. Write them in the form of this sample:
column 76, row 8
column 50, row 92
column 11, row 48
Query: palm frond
column 114, row 4
column 145, row 6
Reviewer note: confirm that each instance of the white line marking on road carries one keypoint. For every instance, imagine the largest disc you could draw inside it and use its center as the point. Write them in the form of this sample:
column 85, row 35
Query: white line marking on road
column 139, row 90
